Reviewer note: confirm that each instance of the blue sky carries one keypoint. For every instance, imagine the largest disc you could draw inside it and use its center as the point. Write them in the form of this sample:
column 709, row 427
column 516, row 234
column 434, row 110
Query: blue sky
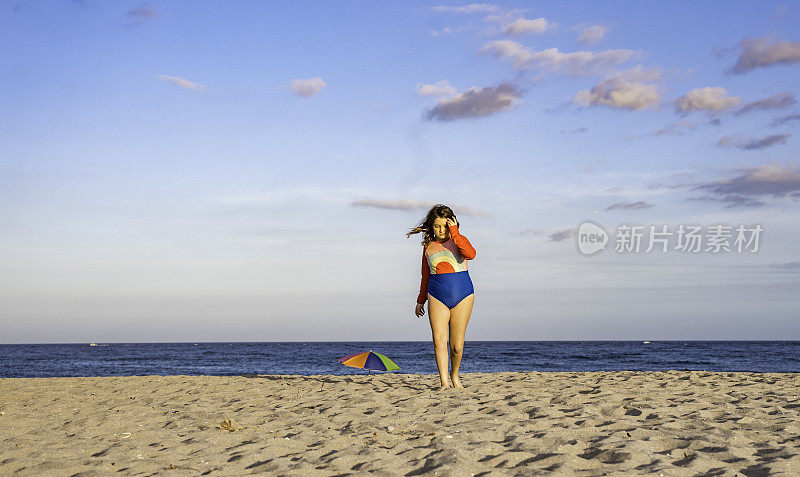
column 187, row 171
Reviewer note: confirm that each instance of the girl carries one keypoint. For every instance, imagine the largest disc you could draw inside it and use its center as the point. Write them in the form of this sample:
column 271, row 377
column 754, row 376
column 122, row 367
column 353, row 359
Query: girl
column 447, row 286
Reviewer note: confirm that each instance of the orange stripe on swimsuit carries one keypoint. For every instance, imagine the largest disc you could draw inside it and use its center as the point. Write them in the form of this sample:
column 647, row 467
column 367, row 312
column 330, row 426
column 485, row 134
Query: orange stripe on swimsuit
column 449, row 256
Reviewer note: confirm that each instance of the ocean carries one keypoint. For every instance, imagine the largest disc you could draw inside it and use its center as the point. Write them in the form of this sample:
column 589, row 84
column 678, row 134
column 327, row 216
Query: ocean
column 306, row 358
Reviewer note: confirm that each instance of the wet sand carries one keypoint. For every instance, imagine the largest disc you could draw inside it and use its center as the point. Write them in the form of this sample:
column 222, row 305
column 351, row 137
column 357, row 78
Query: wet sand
column 509, row 423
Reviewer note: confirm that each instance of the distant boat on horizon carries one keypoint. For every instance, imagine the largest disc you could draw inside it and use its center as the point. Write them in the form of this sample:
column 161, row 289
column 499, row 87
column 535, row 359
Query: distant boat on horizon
column 92, row 344
column 646, row 342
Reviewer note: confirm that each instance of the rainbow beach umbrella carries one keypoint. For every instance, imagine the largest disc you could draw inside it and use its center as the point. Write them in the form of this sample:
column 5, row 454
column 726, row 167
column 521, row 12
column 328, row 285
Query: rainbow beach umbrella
column 369, row 360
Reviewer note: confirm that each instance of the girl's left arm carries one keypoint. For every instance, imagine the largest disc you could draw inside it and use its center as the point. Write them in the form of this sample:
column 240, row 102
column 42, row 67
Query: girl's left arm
column 466, row 248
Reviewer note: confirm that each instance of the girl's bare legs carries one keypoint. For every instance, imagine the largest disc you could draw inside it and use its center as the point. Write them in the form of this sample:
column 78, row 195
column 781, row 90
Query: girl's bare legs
column 443, row 321
column 439, row 316
column 459, row 317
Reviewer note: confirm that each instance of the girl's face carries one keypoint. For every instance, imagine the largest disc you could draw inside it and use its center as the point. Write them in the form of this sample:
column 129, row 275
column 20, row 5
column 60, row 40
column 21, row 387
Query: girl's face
column 440, row 231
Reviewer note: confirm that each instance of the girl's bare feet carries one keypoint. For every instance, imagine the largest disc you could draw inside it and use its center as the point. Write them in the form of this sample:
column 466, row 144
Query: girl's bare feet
column 456, row 381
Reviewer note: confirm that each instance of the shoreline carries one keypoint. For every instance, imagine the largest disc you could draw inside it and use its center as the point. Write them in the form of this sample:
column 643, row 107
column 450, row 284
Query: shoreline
column 377, row 373
column 577, row 422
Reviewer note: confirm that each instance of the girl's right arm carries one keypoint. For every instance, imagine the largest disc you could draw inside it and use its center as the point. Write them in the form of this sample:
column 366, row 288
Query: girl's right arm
column 423, row 286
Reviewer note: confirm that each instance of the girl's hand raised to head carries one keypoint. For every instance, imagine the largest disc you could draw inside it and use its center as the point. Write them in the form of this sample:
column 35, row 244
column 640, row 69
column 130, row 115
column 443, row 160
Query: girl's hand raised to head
column 451, row 221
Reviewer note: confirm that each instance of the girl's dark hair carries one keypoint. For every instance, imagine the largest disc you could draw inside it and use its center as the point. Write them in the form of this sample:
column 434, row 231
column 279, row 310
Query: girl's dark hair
column 426, row 224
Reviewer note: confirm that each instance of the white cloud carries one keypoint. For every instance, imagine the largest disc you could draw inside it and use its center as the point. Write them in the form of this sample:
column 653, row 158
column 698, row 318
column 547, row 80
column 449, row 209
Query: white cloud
column 759, row 53
column 505, row 17
column 776, row 101
column 413, row 204
column 443, row 31
column 750, row 144
column 706, row 99
column 476, row 102
column 440, row 88
column 471, row 8
column 522, row 26
column 752, row 183
column 183, row 83
column 592, row 34
column 578, row 63
column 448, row 30
column 623, row 90
column 307, row 87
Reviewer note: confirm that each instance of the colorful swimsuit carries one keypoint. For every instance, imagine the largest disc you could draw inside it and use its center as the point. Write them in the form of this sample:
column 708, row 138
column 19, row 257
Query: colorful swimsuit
column 444, row 270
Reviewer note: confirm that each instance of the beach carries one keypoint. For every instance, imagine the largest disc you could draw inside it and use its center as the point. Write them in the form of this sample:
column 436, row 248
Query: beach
column 506, row 423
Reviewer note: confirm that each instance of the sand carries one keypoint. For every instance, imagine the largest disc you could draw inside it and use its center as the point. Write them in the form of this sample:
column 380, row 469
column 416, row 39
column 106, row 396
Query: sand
column 509, row 423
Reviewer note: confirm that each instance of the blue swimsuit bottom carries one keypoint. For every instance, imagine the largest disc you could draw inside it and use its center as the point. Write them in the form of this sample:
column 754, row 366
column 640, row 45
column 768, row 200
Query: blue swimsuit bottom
column 450, row 288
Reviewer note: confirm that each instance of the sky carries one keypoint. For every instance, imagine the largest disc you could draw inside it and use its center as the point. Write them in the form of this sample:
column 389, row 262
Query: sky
column 248, row 171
